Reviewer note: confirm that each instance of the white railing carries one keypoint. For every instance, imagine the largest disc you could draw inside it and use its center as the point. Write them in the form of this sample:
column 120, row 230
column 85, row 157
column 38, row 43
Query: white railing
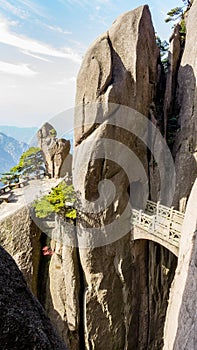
column 160, row 221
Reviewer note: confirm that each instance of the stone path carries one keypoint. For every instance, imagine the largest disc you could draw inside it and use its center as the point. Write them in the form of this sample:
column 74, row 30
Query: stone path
column 25, row 196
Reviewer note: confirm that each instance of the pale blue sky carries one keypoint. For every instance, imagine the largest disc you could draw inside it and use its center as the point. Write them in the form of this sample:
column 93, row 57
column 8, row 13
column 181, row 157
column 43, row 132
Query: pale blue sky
column 41, row 47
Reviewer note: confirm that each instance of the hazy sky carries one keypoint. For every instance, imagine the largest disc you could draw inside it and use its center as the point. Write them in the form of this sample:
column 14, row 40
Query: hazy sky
column 41, row 47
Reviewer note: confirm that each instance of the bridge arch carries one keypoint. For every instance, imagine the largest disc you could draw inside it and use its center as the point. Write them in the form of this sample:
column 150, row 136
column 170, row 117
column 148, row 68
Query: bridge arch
column 139, row 233
column 158, row 224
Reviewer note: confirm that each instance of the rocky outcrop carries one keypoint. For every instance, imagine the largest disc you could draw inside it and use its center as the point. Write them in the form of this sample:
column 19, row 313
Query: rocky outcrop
column 60, row 292
column 113, row 72
column 153, row 269
column 55, row 151
column 185, row 149
column 174, row 57
column 181, row 319
column 54, row 280
column 23, row 324
column 21, row 238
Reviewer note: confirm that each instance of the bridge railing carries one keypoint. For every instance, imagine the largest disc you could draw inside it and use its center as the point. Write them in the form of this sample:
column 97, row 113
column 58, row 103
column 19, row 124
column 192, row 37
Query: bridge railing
column 158, row 208
column 160, row 221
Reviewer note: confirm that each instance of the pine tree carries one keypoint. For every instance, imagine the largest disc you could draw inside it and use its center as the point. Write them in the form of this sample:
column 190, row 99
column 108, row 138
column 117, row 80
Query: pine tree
column 178, row 14
column 31, row 163
column 56, row 202
column 174, row 14
column 164, row 47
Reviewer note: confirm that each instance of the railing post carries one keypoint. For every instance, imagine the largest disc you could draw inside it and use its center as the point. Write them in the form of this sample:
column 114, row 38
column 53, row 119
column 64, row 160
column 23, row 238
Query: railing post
column 169, row 223
column 153, row 223
column 157, row 210
column 140, row 216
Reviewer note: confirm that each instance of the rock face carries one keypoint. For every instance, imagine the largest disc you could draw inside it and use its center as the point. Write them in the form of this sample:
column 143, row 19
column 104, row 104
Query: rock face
column 114, row 71
column 53, row 280
column 181, row 319
column 185, row 149
column 21, row 238
column 23, row 324
column 60, row 293
column 55, row 151
column 174, row 57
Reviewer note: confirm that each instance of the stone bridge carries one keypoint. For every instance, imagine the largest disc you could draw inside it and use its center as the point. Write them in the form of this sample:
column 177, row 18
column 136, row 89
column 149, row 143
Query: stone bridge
column 159, row 224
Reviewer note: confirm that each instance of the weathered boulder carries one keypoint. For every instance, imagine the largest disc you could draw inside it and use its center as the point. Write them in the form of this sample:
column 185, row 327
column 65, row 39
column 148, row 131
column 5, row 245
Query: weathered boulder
column 181, row 318
column 46, row 141
column 21, row 238
column 23, row 323
column 185, row 149
column 55, row 151
column 61, row 292
column 114, row 72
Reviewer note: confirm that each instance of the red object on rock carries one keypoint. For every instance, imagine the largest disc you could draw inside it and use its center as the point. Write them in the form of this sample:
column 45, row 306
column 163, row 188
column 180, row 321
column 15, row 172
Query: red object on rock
column 47, row 251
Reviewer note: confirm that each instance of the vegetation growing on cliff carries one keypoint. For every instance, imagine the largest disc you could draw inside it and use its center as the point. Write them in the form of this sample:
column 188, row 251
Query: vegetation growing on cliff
column 178, row 14
column 31, row 163
column 163, row 47
column 59, row 201
column 9, row 177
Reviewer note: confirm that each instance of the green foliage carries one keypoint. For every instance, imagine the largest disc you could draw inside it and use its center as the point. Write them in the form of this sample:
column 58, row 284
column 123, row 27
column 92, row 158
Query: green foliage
column 164, row 47
column 174, row 14
column 53, row 132
column 183, row 27
column 187, row 3
column 55, row 202
column 178, row 14
column 10, row 177
column 43, row 208
column 30, row 163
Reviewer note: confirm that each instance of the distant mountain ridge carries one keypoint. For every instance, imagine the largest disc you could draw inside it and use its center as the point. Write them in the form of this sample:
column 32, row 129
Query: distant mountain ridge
column 10, row 152
column 19, row 133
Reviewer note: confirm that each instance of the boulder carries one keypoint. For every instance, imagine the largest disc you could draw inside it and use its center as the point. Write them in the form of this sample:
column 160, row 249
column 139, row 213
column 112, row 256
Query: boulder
column 62, row 151
column 55, row 151
column 62, row 290
column 23, row 323
column 21, row 238
column 115, row 71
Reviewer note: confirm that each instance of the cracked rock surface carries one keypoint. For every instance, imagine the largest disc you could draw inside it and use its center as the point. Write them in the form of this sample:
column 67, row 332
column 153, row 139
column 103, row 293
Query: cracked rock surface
column 23, row 323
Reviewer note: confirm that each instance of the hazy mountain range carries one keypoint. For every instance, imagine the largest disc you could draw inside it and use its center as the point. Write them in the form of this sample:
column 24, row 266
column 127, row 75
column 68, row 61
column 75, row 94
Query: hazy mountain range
column 10, row 152
column 20, row 134
column 14, row 141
